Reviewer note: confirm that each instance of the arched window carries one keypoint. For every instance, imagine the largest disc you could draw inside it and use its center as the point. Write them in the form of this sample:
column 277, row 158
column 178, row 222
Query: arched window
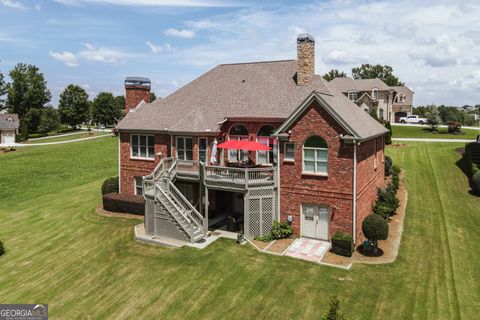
column 375, row 93
column 381, row 114
column 315, row 156
column 238, row 132
column 264, row 137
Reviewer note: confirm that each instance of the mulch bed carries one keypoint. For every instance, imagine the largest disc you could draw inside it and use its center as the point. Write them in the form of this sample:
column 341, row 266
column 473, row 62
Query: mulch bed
column 387, row 249
column 261, row 245
column 111, row 214
column 279, row 246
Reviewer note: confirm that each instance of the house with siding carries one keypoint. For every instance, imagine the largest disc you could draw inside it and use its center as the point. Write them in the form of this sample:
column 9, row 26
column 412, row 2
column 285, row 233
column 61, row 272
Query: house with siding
column 320, row 168
column 390, row 102
column 9, row 124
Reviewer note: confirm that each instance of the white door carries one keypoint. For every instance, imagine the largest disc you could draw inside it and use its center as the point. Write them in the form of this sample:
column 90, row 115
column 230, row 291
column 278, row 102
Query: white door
column 314, row 221
column 8, row 138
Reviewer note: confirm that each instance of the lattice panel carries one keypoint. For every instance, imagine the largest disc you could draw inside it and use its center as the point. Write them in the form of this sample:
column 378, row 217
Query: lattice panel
column 267, row 215
column 254, row 218
column 149, row 217
column 167, row 227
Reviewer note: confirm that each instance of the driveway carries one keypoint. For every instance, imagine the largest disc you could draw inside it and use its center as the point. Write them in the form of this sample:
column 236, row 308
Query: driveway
column 51, row 143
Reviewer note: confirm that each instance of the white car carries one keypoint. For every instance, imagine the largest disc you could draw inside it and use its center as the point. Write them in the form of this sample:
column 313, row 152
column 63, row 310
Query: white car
column 413, row 119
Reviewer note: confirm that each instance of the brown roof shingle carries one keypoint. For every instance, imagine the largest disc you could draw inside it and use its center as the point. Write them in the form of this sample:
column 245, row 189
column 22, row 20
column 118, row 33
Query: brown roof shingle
column 256, row 90
column 9, row 121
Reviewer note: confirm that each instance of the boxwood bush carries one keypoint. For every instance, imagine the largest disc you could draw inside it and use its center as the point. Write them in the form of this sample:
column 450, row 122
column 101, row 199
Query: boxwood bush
column 342, row 244
column 117, row 202
column 110, row 185
column 388, row 166
column 280, row 230
column 375, row 228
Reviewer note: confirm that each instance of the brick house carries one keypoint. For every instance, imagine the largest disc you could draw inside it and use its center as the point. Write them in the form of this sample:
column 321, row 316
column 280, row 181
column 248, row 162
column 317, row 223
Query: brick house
column 320, row 173
column 390, row 102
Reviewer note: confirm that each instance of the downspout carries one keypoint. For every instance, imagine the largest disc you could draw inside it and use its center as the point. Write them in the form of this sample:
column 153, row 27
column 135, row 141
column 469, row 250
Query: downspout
column 354, row 229
column 119, row 170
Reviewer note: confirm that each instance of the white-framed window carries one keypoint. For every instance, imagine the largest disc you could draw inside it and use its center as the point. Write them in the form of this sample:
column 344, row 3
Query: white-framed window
column 142, row 146
column 380, row 112
column 315, row 156
column 289, row 151
column 400, row 97
column 263, row 137
column 184, row 148
column 202, row 149
column 353, row 95
column 238, row 132
column 138, row 184
column 375, row 161
column 375, row 93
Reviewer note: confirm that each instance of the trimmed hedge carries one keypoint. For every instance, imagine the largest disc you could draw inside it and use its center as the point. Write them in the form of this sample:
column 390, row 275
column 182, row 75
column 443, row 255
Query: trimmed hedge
column 2, row 248
column 375, row 228
column 110, row 185
column 117, row 202
column 342, row 244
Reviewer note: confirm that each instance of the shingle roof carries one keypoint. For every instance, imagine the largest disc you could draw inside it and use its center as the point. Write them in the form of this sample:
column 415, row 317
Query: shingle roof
column 256, row 90
column 406, row 92
column 347, row 84
column 9, row 121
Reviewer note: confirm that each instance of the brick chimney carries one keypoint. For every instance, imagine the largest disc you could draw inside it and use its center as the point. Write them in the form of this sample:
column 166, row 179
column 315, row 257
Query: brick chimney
column 136, row 90
column 305, row 59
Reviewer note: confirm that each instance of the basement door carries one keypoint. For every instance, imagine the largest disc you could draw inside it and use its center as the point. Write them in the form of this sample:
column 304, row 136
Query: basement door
column 314, row 221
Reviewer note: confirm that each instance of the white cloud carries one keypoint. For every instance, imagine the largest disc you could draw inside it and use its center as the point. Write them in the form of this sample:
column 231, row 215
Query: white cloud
column 183, row 33
column 159, row 48
column 341, row 57
column 159, row 3
column 13, row 4
column 102, row 54
column 66, row 57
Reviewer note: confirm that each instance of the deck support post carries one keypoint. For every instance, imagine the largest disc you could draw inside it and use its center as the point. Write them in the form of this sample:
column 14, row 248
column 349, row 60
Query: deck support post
column 205, row 211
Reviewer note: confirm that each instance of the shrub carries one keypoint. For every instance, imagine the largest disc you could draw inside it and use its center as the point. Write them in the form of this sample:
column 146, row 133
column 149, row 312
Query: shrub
column 333, row 312
column 476, row 182
column 375, row 228
column 387, row 202
column 342, row 244
column 110, row 185
column 388, row 135
column 2, row 248
column 454, row 127
column 117, row 202
column 280, row 230
column 388, row 165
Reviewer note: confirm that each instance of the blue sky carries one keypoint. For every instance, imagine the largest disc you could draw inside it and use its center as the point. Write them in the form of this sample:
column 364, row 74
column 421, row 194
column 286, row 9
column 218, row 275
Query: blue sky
column 434, row 46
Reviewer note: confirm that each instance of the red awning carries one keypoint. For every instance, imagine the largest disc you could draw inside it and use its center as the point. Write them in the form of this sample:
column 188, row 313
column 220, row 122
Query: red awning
column 244, row 145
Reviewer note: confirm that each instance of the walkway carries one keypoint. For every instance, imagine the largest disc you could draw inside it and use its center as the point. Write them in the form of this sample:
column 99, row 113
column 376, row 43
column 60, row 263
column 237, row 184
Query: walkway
column 51, row 143
column 433, row 140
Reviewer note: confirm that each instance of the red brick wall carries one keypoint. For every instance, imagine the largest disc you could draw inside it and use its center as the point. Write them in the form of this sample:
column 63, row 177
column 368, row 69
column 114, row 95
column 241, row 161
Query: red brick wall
column 334, row 191
column 131, row 168
column 369, row 179
column 134, row 95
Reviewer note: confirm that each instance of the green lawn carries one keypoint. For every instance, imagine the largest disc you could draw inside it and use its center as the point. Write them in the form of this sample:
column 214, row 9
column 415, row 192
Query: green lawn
column 423, row 132
column 88, row 266
column 79, row 135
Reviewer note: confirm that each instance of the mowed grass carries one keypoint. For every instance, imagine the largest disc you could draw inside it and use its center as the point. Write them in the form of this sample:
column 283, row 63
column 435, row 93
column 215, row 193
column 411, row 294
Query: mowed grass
column 59, row 251
column 76, row 136
column 423, row 132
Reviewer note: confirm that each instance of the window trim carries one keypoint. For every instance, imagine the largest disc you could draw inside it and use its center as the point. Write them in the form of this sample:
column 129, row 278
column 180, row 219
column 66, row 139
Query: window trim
column 375, row 96
column 314, row 173
column 185, row 146
column 356, row 95
column 135, row 186
column 285, row 152
column 139, row 157
column 206, row 149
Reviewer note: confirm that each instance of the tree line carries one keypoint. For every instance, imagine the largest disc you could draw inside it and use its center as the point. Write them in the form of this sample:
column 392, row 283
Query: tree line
column 443, row 114
column 27, row 95
column 368, row 71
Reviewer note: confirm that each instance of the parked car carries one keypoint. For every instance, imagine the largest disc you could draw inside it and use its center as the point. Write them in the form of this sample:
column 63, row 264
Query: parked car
column 413, row 119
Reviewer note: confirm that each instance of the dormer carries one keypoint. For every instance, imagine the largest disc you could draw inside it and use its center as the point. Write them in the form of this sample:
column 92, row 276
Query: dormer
column 353, row 95
column 375, row 93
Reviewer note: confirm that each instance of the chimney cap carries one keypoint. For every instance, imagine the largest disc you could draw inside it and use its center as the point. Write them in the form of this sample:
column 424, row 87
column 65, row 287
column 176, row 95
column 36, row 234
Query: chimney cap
column 137, row 81
column 305, row 37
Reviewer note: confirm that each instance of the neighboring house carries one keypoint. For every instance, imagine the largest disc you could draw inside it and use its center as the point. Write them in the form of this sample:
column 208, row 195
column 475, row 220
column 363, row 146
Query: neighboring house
column 321, row 174
column 402, row 103
column 391, row 103
column 9, row 124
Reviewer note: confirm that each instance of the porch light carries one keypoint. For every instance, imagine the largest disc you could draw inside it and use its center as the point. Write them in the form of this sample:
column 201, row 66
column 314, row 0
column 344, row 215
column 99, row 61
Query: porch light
column 289, row 219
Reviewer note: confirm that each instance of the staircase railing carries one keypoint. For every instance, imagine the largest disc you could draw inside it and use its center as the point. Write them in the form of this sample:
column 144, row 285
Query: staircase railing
column 190, row 211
